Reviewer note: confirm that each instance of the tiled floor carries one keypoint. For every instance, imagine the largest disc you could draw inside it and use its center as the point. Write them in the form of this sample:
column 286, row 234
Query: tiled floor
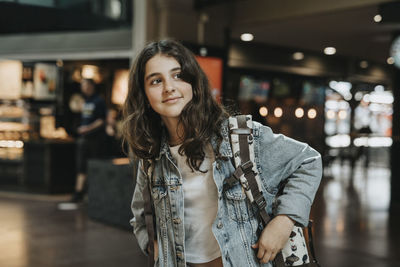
column 352, row 227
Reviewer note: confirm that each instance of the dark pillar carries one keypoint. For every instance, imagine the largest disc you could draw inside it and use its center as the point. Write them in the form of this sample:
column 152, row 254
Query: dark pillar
column 395, row 150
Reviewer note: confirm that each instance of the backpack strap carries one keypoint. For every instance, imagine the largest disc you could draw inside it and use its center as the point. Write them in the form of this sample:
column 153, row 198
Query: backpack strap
column 247, row 174
column 149, row 213
column 246, row 171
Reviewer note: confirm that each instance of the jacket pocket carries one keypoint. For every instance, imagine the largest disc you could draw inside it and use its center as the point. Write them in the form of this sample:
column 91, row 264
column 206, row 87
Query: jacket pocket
column 159, row 194
column 239, row 207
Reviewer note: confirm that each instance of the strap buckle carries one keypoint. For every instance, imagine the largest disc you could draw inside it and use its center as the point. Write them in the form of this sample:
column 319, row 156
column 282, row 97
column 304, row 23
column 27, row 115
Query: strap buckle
column 260, row 201
column 247, row 167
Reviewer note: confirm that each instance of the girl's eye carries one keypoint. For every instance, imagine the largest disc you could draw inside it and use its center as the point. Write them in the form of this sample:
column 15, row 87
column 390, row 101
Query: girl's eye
column 177, row 75
column 155, row 81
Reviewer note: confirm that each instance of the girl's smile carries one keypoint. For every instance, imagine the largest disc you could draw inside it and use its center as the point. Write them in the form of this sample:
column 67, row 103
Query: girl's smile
column 172, row 100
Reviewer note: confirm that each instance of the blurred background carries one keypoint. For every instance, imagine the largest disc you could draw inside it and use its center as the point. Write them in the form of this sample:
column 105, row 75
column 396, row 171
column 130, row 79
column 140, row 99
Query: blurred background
column 323, row 72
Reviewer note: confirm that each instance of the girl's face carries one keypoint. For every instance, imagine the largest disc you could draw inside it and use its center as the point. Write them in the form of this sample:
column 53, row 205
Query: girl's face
column 166, row 92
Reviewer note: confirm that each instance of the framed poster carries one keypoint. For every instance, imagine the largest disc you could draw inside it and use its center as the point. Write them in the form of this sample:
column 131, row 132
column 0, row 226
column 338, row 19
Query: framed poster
column 212, row 66
column 10, row 79
column 44, row 81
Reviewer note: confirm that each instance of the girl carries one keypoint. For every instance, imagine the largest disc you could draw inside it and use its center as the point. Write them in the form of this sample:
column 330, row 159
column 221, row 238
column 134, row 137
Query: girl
column 173, row 122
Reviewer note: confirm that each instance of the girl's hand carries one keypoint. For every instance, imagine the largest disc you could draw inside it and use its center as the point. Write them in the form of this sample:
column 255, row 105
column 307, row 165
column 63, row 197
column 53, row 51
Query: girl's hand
column 273, row 238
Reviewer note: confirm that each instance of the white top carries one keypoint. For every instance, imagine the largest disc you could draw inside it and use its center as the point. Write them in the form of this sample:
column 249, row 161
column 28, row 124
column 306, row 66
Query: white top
column 200, row 208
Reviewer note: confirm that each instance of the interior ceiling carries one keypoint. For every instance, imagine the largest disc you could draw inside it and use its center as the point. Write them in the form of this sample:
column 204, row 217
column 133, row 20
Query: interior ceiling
column 352, row 32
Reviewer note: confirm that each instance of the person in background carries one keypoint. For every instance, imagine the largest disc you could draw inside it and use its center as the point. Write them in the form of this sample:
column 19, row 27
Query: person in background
column 91, row 133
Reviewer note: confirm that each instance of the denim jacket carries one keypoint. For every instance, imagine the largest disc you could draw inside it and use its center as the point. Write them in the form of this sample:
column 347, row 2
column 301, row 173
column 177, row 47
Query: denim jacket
column 278, row 158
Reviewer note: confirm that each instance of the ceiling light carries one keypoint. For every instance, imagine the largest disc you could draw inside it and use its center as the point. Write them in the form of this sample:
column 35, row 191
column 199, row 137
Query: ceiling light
column 390, row 60
column 377, row 18
column 247, row 37
column 330, row 50
column 203, row 51
column 364, row 64
column 298, row 56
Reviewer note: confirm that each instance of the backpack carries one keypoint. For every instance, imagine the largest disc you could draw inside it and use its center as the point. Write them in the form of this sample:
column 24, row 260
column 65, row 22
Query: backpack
column 299, row 249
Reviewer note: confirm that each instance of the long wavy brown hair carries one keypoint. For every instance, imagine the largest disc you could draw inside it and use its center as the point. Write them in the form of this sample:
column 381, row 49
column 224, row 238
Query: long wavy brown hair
column 201, row 118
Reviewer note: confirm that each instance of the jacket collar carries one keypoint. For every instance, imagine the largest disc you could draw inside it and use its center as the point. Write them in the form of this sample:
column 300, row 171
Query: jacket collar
column 164, row 148
column 225, row 148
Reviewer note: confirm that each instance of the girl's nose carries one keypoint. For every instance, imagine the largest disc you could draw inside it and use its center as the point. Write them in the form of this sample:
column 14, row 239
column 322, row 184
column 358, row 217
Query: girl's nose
column 168, row 87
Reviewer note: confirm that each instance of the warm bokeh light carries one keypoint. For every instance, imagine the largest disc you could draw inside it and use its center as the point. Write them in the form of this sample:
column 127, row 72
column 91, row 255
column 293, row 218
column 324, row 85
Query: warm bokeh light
column 120, row 86
column 364, row 64
column 312, row 113
column 89, row 71
column 11, row 143
column 278, row 112
column 342, row 114
column 298, row 56
column 330, row 114
column 263, row 111
column 299, row 112
column 390, row 60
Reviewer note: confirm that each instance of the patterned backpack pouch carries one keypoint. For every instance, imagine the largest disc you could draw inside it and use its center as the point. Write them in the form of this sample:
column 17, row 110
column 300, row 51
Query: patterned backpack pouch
column 299, row 249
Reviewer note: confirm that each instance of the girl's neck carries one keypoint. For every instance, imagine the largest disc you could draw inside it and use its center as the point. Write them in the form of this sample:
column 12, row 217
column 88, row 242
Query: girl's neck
column 175, row 131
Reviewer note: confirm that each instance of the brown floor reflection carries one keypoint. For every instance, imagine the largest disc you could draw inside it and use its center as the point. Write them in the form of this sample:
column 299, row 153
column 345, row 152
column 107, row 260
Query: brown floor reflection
column 353, row 226
column 34, row 233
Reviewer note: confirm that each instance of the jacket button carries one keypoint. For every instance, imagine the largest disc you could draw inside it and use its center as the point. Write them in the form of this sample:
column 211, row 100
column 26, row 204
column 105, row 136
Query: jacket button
column 177, row 220
column 220, row 225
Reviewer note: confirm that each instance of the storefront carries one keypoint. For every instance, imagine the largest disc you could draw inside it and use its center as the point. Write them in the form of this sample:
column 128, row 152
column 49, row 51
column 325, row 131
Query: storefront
column 40, row 104
column 336, row 104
